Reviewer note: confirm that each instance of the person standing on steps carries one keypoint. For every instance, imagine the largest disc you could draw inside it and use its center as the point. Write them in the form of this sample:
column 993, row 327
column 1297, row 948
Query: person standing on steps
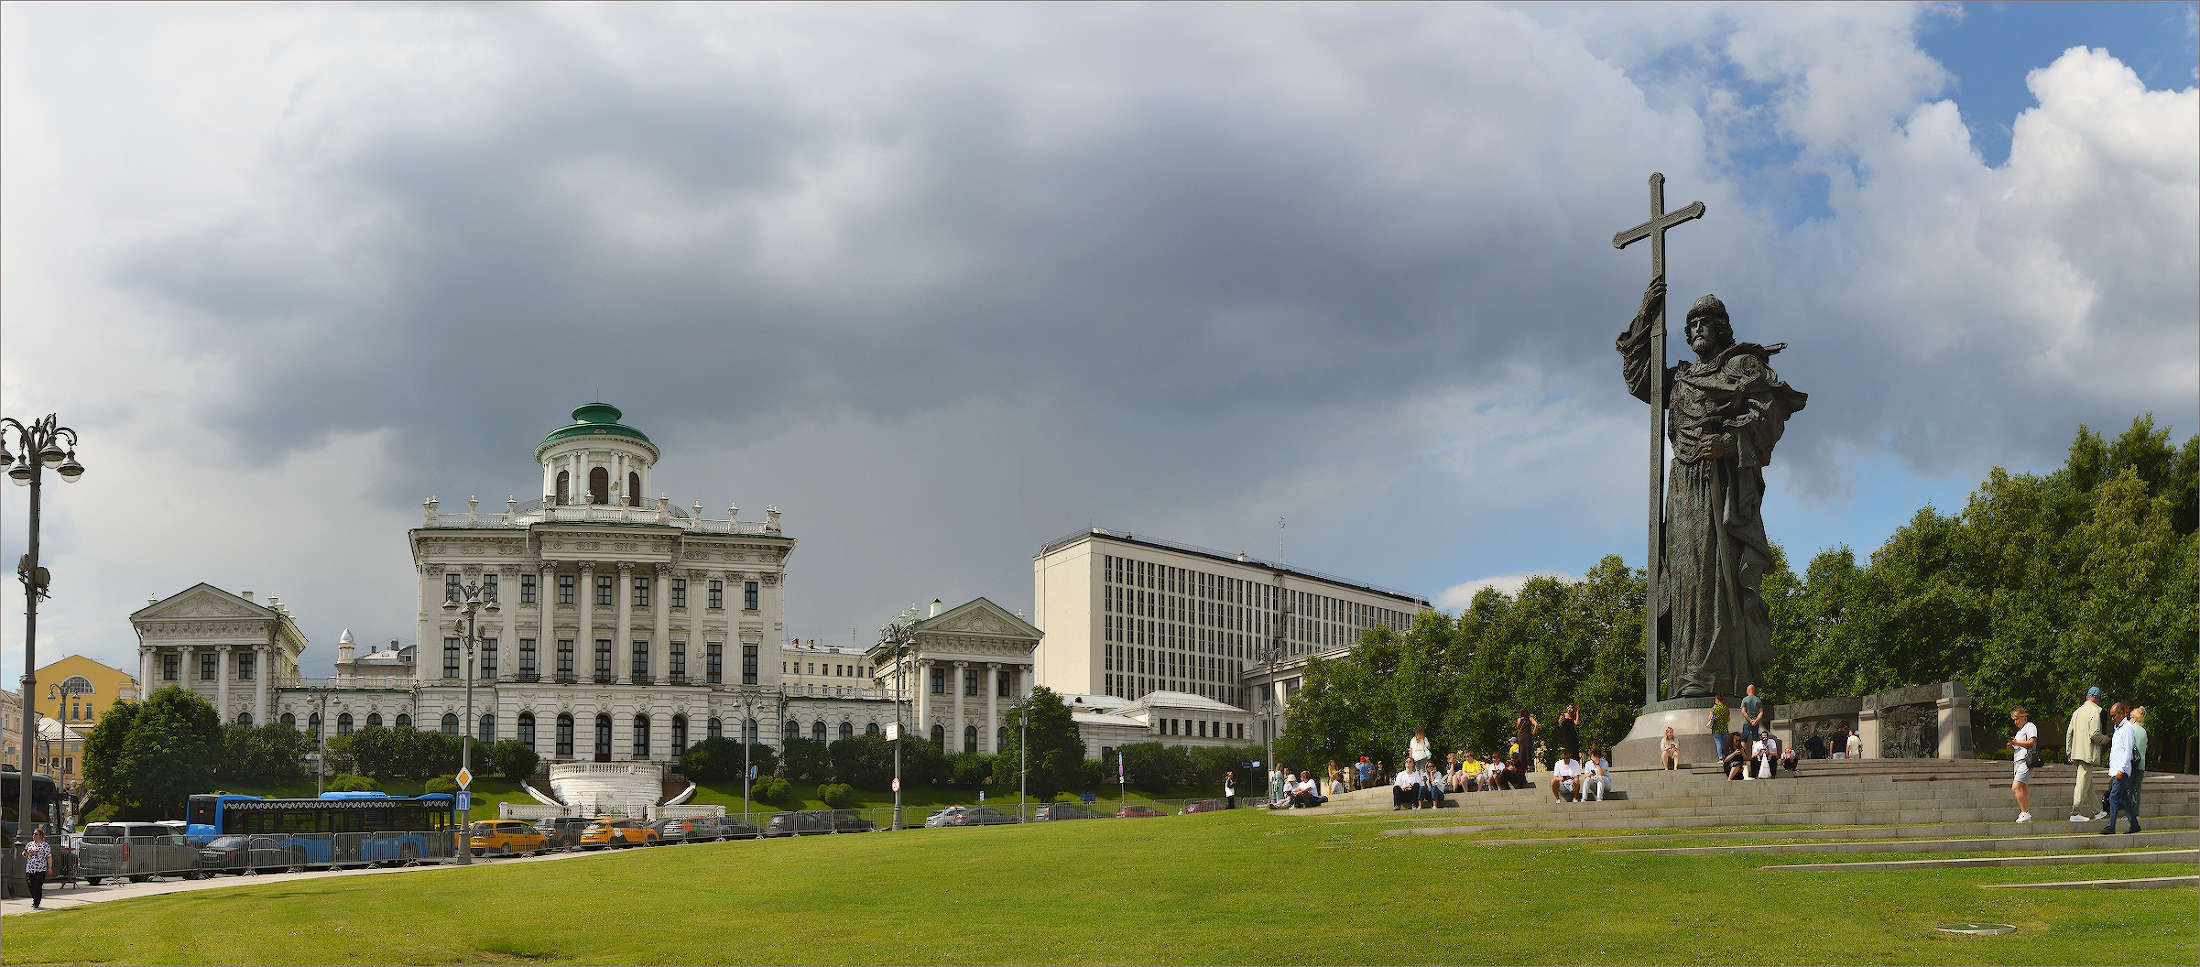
column 1753, row 715
column 2122, row 769
column 2138, row 754
column 1569, row 729
column 1417, row 751
column 1719, row 716
column 2021, row 744
column 2085, row 742
column 1524, row 729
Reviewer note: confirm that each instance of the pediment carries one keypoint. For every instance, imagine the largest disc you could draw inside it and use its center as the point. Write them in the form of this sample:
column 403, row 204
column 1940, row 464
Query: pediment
column 201, row 601
column 981, row 617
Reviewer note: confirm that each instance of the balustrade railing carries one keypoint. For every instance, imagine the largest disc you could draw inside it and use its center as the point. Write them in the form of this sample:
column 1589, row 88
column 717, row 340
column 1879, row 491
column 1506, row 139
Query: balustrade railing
column 534, row 513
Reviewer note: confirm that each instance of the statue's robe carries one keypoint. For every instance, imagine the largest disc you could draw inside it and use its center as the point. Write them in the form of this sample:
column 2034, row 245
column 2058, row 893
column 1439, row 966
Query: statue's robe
column 1716, row 554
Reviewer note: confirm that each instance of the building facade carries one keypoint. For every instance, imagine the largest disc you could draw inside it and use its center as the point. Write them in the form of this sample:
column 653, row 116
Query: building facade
column 77, row 689
column 229, row 649
column 964, row 667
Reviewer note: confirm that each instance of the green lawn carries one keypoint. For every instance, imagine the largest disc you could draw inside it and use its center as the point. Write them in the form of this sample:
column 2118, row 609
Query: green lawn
column 1242, row 887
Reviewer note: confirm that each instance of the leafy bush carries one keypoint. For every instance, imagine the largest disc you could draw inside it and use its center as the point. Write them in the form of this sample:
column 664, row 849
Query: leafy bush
column 513, row 758
column 720, row 758
column 770, row 789
column 351, row 784
column 807, row 761
column 440, row 784
column 866, row 761
column 965, row 770
column 838, row 795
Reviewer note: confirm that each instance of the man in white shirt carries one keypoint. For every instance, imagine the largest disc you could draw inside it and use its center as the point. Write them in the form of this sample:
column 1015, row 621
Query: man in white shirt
column 1563, row 775
column 2020, row 746
column 1768, row 756
column 1596, row 780
column 1402, row 793
column 1856, row 746
column 2122, row 770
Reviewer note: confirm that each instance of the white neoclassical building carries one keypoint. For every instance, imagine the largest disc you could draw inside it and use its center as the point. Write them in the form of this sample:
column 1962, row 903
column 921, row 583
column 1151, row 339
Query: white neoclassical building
column 627, row 629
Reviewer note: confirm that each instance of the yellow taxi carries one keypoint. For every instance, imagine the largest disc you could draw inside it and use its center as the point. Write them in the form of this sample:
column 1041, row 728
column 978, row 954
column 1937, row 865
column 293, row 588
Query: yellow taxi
column 505, row 837
column 613, row 831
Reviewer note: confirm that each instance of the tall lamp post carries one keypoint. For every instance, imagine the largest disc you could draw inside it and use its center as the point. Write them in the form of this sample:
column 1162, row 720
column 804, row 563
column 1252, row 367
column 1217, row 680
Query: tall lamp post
column 41, row 447
column 899, row 634
column 748, row 714
column 1268, row 701
column 472, row 601
column 320, row 736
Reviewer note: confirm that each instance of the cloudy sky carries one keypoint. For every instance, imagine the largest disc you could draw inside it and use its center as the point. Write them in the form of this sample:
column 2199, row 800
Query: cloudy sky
column 945, row 282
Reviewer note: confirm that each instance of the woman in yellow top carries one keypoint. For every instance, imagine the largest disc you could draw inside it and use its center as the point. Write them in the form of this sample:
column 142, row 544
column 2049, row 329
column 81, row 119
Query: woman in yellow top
column 1471, row 770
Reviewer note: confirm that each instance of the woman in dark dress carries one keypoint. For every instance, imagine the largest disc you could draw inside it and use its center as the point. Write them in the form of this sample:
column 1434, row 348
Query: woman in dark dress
column 1569, row 729
column 1524, row 733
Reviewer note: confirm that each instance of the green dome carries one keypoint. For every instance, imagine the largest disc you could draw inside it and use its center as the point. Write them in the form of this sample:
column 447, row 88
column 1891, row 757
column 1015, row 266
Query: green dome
column 595, row 419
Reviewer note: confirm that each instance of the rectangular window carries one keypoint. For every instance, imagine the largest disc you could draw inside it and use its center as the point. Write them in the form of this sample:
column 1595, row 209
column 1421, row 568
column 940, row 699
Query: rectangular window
column 168, row 666
column 1001, row 685
column 641, row 592
column 939, row 681
column 527, row 589
column 714, row 661
column 603, row 658
column 641, row 661
column 451, row 589
column 450, row 658
column 717, row 594
column 489, row 658
column 748, row 596
column 247, row 666
column 527, row 664
column 970, row 682
column 488, row 587
column 679, row 592
column 748, row 664
column 207, row 669
column 565, row 658
column 565, row 589
column 603, row 591
column 678, row 664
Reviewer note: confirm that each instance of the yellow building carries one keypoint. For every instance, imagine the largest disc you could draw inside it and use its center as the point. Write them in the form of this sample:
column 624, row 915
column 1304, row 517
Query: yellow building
column 76, row 690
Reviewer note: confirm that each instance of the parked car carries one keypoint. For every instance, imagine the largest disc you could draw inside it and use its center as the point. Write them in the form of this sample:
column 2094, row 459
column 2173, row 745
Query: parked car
column 1200, row 806
column 505, row 837
column 139, row 851
column 981, row 816
column 730, row 829
column 943, row 817
column 1058, row 811
column 811, row 822
column 563, row 832
column 1138, row 810
column 692, row 829
column 612, row 831
column 242, row 854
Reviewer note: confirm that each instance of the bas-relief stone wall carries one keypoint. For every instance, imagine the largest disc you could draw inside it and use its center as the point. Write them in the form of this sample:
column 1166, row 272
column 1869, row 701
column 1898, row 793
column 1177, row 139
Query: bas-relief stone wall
column 1917, row 721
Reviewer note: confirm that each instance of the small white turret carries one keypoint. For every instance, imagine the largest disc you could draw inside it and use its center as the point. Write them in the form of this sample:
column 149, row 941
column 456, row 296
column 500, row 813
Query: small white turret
column 345, row 648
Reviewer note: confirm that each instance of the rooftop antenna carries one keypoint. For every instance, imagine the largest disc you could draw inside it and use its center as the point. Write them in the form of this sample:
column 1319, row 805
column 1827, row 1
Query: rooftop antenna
column 1279, row 541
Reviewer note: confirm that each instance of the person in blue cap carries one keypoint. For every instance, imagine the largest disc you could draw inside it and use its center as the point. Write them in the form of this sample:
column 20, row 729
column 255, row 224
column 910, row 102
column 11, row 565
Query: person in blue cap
column 2085, row 742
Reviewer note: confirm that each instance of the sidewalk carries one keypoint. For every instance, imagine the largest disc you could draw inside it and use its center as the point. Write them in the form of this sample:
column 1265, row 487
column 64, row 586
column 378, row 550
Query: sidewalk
column 62, row 898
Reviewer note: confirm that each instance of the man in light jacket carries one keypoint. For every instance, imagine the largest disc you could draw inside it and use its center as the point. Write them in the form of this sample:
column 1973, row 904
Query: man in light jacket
column 2085, row 742
column 2122, row 769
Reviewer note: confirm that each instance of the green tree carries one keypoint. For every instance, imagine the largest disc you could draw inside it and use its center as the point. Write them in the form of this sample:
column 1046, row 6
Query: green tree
column 105, row 781
column 863, row 761
column 1055, row 750
column 805, row 760
column 169, row 753
column 514, row 759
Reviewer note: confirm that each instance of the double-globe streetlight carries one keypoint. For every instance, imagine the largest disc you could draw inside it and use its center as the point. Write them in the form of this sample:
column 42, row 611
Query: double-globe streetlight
column 472, row 600
column 41, row 447
column 899, row 635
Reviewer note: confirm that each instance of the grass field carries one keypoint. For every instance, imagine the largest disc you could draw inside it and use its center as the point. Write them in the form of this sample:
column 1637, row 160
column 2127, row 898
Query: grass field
column 1237, row 887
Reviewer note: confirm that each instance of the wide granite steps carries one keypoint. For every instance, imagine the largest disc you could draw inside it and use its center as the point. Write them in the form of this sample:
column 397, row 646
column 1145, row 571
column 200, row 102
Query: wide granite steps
column 1916, row 830
column 2094, row 842
column 2174, row 855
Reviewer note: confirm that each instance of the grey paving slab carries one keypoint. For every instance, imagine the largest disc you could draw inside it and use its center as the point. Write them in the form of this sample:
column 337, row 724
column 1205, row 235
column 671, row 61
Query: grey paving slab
column 2053, row 859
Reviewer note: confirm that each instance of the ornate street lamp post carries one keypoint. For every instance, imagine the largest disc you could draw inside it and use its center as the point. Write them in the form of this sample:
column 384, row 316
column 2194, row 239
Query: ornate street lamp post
column 41, row 447
column 899, row 634
column 472, row 601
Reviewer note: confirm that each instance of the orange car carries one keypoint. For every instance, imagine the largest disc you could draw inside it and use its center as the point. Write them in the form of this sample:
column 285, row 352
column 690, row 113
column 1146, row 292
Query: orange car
column 506, row 837
column 613, row 831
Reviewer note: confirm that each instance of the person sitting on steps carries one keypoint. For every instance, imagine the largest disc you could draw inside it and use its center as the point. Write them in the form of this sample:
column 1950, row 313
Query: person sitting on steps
column 1735, row 763
column 1564, row 772
column 1403, row 791
column 1669, row 751
column 1596, row 776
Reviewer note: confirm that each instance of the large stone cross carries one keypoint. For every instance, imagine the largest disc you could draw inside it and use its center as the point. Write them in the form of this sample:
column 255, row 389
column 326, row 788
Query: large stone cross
column 1661, row 221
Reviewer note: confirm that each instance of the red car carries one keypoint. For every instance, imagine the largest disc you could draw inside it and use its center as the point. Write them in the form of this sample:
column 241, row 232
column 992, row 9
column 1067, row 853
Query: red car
column 1200, row 806
column 1137, row 811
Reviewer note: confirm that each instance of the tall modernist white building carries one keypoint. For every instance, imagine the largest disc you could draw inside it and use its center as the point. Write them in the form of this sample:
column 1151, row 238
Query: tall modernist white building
column 1126, row 616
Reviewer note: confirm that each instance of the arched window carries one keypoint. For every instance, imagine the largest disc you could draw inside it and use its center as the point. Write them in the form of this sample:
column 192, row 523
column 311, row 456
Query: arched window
column 847, row 730
column 817, row 730
column 289, row 721
column 487, row 731
column 641, row 736
column 313, row 725
column 633, row 489
column 970, row 739
column 343, row 723
column 679, row 735
column 717, row 730
column 565, row 736
column 599, row 486
column 404, row 721
column 750, row 732
column 450, row 723
column 939, row 737
column 793, row 730
column 244, row 719
column 871, row 729
column 374, row 720
column 603, row 738
column 527, row 729
column 565, row 485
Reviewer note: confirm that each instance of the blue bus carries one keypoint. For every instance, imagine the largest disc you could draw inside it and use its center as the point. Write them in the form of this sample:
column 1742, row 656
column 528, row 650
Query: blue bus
column 337, row 829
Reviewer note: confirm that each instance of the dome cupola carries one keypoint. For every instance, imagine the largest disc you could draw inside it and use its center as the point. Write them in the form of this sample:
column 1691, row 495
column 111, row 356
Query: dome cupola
column 596, row 460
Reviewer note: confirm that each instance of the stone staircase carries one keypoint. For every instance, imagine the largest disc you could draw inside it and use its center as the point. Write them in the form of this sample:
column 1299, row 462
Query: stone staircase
column 1867, row 808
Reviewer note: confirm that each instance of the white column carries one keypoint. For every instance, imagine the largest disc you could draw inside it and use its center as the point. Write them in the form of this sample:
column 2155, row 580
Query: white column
column 696, row 591
column 584, row 641
column 660, row 644
column 986, row 735
column 146, row 671
column 546, row 635
column 431, row 599
column 263, row 668
column 955, row 736
column 187, row 675
column 221, row 684
column 622, row 594
column 508, row 642
column 924, row 697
